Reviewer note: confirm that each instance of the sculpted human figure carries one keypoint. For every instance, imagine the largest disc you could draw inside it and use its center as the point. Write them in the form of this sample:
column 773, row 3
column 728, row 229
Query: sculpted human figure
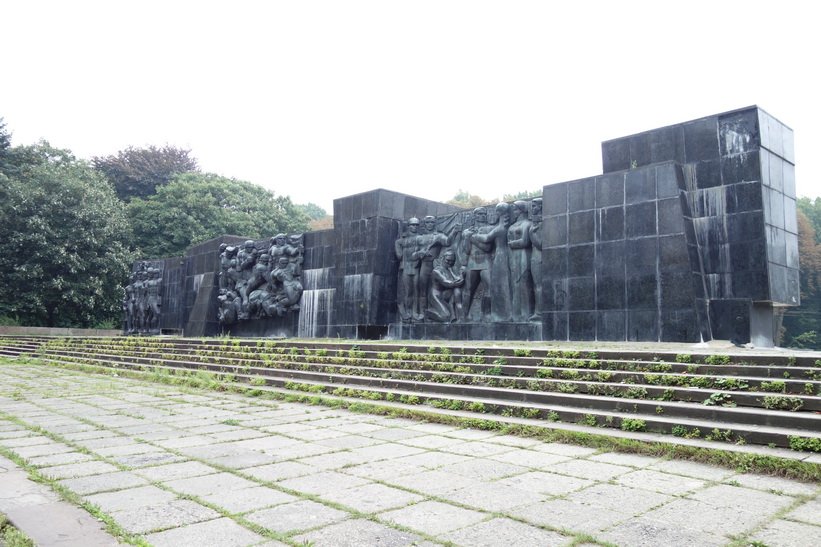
column 226, row 262
column 153, row 289
column 521, row 282
column 229, row 306
column 494, row 238
column 280, row 246
column 536, row 255
column 140, row 301
column 289, row 286
column 430, row 245
column 446, row 292
column 129, row 305
column 246, row 259
column 476, row 252
column 406, row 248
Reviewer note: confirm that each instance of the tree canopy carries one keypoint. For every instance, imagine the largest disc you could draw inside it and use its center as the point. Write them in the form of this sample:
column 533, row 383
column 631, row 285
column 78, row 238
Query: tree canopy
column 139, row 172
column 314, row 211
column 63, row 255
column 466, row 200
column 195, row 207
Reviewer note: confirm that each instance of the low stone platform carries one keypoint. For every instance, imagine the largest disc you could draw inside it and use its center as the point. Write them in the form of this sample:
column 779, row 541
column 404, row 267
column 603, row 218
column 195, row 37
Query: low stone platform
column 177, row 467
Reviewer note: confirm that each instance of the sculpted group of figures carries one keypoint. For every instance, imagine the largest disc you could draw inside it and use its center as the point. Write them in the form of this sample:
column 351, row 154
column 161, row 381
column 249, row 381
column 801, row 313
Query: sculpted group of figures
column 142, row 301
column 254, row 283
column 447, row 277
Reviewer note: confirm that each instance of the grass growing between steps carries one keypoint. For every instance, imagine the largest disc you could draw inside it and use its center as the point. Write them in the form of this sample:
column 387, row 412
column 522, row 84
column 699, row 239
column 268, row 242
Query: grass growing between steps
column 743, row 462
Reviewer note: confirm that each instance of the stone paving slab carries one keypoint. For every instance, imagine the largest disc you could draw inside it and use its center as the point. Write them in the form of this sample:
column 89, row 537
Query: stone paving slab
column 181, row 473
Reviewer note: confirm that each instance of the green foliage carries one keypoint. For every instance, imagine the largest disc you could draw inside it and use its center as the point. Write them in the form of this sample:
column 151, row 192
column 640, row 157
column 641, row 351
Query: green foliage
column 776, row 386
column 194, row 207
column 810, row 444
column 63, row 234
column 717, row 360
column 633, row 424
column 523, row 195
column 312, row 211
column 466, row 200
column 782, row 402
column 139, row 172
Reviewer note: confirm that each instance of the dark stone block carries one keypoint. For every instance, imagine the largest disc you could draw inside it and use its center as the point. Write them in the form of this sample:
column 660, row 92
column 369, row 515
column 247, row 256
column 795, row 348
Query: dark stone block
column 680, row 326
column 752, row 285
column 370, row 204
column 738, row 132
column 670, row 218
column 640, row 185
column 776, row 208
column 610, row 293
column 554, row 262
column 611, row 325
column 582, row 326
column 642, row 292
column 745, row 197
column 615, row 155
column 730, row 320
column 642, row 326
column 745, row 226
column 554, row 230
column 640, row 150
column 581, row 260
column 641, row 255
column 581, row 293
column 610, row 225
column 789, row 179
column 555, row 326
column 662, row 144
column 701, row 139
column 676, row 290
column 555, row 200
column 640, row 219
column 610, row 258
column 741, row 168
column 581, row 195
column 776, row 249
column 673, row 254
column 668, row 180
column 581, row 227
column 790, row 215
column 791, row 242
column 708, row 173
column 610, row 190
column 555, row 295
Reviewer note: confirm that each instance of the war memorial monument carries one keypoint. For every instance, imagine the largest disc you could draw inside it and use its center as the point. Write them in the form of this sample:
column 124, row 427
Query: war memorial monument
column 689, row 234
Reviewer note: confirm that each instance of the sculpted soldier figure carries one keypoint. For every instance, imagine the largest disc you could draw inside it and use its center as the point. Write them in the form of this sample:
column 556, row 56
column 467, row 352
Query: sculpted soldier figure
column 280, row 246
column 229, row 306
column 246, row 259
column 430, row 245
column 289, row 286
column 228, row 262
column 536, row 255
column 477, row 252
column 446, row 292
column 153, row 289
column 406, row 248
column 518, row 240
column 129, row 305
column 496, row 237
column 140, row 297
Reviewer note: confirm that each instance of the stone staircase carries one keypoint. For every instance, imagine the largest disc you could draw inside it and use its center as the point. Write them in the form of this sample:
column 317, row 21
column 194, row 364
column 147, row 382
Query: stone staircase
column 754, row 399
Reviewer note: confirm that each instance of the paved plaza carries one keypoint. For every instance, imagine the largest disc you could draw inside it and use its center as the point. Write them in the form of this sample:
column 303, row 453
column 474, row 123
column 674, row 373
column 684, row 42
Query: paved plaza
column 175, row 467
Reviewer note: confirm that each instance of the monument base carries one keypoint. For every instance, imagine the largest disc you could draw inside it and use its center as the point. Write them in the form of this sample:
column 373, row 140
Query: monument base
column 465, row 331
column 267, row 327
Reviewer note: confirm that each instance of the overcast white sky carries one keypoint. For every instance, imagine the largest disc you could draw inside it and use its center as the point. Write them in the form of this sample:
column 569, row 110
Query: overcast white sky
column 322, row 99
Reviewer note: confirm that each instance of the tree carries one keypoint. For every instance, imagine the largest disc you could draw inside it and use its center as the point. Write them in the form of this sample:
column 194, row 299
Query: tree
column 63, row 234
column 195, row 207
column 812, row 210
column 523, row 195
column 467, row 200
column 314, row 211
column 803, row 324
column 139, row 172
